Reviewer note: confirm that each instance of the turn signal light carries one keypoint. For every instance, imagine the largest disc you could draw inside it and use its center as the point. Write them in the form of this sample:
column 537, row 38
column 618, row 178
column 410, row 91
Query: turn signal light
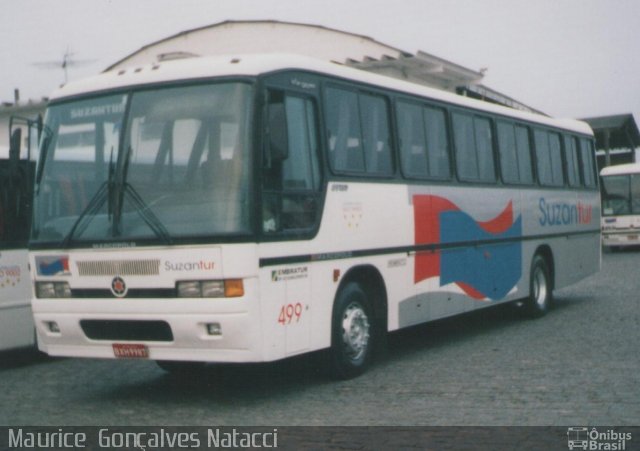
column 231, row 288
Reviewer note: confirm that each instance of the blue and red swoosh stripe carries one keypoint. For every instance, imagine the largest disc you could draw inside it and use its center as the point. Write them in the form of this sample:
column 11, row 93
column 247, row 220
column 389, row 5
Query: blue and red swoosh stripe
column 488, row 271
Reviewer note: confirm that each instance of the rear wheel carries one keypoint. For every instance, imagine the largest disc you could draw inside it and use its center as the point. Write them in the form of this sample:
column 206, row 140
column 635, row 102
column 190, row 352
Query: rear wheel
column 353, row 330
column 540, row 288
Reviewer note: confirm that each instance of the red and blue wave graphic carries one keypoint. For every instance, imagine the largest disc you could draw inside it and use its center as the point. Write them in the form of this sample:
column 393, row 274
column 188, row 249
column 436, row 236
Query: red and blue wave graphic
column 52, row 266
column 481, row 271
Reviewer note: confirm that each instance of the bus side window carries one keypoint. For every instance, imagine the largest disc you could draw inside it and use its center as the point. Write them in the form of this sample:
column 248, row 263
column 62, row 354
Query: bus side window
column 523, row 150
column 474, row 148
column 424, row 146
column 571, row 160
column 376, row 135
column 437, row 142
column 556, row 159
column 413, row 151
column 292, row 182
column 543, row 157
column 344, row 131
column 507, row 152
column 548, row 158
column 586, row 160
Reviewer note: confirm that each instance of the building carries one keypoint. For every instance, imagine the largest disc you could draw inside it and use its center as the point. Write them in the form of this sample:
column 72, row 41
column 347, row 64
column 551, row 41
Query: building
column 617, row 139
column 244, row 37
column 29, row 109
column 362, row 52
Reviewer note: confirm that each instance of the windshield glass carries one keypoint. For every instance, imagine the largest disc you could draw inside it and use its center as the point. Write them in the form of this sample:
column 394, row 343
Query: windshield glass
column 176, row 167
column 621, row 195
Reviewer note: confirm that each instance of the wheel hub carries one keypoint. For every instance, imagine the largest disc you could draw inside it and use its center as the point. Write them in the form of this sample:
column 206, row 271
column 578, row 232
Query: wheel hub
column 355, row 331
column 539, row 287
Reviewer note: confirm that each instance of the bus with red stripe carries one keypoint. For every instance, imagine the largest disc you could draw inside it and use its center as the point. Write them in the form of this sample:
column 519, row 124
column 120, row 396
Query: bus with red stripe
column 251, row 208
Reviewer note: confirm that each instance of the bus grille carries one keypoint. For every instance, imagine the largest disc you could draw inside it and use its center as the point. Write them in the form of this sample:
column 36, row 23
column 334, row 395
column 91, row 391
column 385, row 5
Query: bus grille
column 129, row 330
column 119, row 268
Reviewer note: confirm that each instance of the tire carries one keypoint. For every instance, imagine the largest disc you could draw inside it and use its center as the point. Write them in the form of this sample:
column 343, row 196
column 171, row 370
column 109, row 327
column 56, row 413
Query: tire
column 352, row 333
column 540, row 288
column 180, row 368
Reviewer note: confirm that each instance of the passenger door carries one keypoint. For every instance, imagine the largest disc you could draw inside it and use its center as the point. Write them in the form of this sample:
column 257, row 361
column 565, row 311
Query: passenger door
column 291, row 187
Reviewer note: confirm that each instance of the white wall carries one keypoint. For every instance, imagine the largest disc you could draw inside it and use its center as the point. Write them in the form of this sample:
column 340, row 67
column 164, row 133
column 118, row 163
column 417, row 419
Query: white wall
column 264, row 37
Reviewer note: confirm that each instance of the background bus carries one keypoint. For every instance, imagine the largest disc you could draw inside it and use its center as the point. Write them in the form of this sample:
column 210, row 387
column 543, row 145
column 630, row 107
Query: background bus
column 620, row 188
column 251, row 209
column 16, row 322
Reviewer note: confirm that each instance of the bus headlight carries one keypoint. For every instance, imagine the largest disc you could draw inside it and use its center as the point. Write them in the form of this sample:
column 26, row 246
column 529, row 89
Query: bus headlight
column 53, row 290
column 212, row 288
column 229, row 288
column 189, row 289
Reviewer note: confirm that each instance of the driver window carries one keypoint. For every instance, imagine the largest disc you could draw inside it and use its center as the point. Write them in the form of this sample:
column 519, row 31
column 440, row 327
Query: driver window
column 291, row 176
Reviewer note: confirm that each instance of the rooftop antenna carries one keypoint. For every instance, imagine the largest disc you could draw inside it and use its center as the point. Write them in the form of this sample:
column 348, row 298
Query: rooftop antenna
column 64, row 63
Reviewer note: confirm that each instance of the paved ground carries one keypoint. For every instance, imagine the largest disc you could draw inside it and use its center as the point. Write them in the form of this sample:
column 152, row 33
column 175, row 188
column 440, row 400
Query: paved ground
column 577, row 366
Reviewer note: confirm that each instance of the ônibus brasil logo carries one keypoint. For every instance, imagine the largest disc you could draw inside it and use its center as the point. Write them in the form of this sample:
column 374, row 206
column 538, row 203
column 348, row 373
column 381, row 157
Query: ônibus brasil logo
column 593, row 439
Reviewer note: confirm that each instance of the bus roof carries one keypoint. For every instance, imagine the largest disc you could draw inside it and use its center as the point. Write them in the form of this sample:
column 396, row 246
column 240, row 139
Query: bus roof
column 253, row 65
column 621, row 169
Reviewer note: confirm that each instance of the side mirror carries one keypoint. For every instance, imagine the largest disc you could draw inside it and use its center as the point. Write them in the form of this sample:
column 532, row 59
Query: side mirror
column 39, row 126
column 278, row 133
column 15, row 145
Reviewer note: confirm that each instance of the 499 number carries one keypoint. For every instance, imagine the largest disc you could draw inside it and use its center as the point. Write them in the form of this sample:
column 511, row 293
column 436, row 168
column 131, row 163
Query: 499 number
column 290, row 313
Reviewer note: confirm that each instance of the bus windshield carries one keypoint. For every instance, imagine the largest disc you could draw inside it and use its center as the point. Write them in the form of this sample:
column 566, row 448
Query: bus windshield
column 162, row 164
column 620, row 194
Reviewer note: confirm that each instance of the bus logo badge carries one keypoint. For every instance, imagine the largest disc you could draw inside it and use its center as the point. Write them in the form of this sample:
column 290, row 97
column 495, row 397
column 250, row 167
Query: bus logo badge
column 118, row 287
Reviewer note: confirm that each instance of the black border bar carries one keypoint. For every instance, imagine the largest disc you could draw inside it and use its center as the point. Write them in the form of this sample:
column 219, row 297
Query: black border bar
column 340, row 255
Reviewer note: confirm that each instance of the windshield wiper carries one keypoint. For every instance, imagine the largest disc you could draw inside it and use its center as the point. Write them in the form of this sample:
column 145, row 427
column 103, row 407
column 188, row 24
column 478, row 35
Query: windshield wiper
column 104, row 193
column 113, row 191
column 92, row 208
column 147, row 215
column 122, row 188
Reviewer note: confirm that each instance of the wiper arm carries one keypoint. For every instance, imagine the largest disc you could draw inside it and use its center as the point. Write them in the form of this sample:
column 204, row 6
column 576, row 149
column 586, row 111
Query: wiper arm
column 122, row 188
column 104, row 193
column 147, row 214
column 94, row 205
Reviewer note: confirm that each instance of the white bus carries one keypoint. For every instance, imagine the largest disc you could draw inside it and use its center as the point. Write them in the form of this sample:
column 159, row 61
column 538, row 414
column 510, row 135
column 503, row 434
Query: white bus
column 16, row 320
column 620, row 188
column 254, row 208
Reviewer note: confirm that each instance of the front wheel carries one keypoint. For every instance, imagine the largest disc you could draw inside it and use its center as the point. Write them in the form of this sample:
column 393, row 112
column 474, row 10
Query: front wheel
column 352, row 334
column 540, row 288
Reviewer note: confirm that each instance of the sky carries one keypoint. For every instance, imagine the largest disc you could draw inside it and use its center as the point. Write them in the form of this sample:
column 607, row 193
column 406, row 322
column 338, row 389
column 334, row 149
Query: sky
column 567, row 58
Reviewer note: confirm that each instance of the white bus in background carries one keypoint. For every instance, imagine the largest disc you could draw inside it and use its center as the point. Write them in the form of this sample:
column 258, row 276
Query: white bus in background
column 620, row 188
column 255, row 208
column 16, row 321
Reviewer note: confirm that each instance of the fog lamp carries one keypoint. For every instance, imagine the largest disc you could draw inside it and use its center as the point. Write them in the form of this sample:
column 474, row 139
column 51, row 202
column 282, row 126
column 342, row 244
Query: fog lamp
column 214, row 329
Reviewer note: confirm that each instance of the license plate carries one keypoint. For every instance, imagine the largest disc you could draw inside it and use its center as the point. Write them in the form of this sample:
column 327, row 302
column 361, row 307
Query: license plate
column 130, row 351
